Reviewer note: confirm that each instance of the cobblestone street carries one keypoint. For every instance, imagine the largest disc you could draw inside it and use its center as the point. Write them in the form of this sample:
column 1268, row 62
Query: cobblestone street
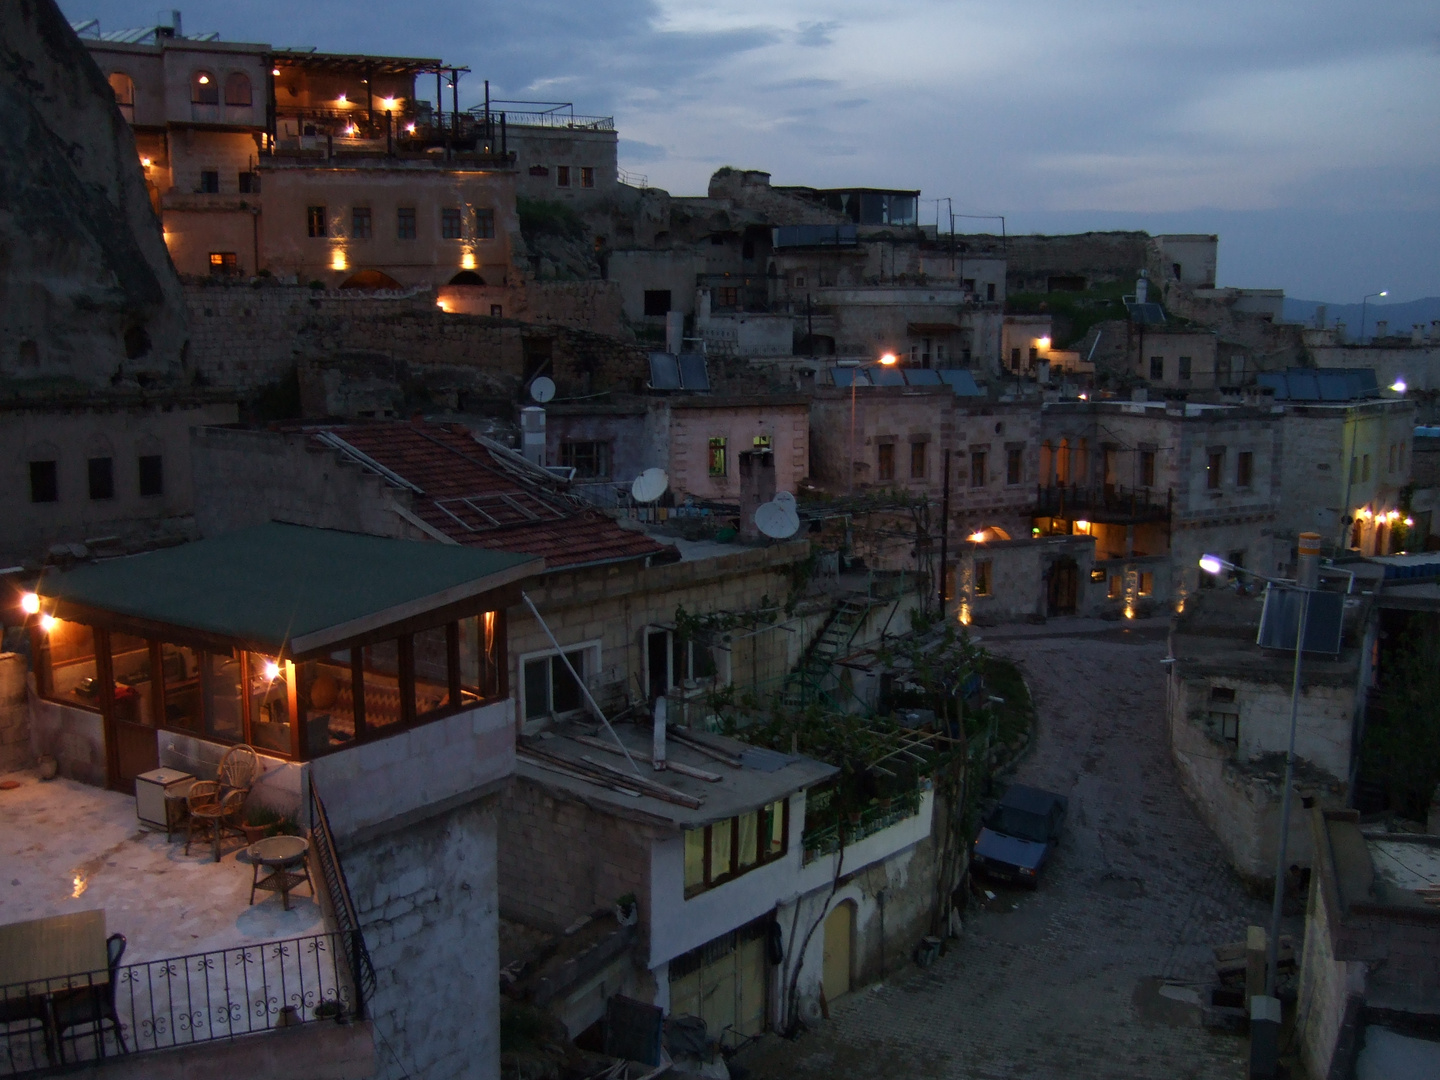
column 1065, row 982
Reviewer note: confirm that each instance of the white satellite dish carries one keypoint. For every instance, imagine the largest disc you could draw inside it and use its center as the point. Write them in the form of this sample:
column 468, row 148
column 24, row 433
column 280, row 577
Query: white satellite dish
column 649, row 485
column 542, row 389
column 775, row 521
column 785, row 499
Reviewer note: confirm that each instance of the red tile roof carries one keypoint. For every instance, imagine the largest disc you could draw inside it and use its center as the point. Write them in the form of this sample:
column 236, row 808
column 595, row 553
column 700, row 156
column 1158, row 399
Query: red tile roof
column 475, row 496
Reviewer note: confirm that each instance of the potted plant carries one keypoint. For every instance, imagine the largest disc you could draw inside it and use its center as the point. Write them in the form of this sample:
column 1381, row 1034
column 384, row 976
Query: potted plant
column 258, row 823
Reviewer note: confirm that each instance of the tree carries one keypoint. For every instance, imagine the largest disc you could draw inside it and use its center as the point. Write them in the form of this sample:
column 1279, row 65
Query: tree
column 1403, row 741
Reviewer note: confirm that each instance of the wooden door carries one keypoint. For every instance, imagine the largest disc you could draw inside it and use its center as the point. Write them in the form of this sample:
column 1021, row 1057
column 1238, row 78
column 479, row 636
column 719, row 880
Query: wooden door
column 131, row 708
column 839, row 929
column 1064, row 577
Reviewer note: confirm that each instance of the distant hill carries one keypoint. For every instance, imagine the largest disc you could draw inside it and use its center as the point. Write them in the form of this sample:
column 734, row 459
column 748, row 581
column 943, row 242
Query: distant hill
column 1400, row 316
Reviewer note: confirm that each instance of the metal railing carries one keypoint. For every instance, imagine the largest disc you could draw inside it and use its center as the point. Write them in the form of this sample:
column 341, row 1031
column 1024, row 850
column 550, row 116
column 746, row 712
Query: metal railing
column 559, row 114
column 178, row 1001
column 1103, row 502
column 825, row 839
column 342, row 906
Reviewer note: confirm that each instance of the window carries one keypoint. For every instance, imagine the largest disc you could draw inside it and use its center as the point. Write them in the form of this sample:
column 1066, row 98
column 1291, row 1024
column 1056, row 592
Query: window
column 716, row 853
column 360, row 223
column 977, row 468
column 727, row 296
column 590, row 460
column 65, row 670
column 799, row 281
column 918, row 454
column 982, row 577
column 1244, row 469
column 315, row 220
column 1034, row 355
column 550, row 689
column 587, row 176
column 1014, row 359
column 990, row 292
column 204, row 90
column 123, row 87
column 1117, row 587
column 152, row 475
column 717, row 457
column 671, row 661
column 1097, row 574
column 1147, row 468
column 405, row 223
column 209, row 182
column 237, row 90
column 224, row 263
column 484, row 224
column 762, row 442
column 1157, row 368
column 885, row 457
column 44, row 482
column 1014, row 465
column 102, row 477
column 1147, row 583
column 1214, row 469
column 1225, row 714
column 562, row 175
column 248, row 182
column 657, row 302
column 451, row 227
column 497, row 311
column 1184, row 369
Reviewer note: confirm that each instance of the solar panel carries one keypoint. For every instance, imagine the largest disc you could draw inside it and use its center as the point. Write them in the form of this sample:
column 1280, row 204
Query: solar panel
column 1147, row 314
column 922, row 377
column 1335, row 386
column 845, row 376
column 694, row 375
column 1280, row 620
column 1303, row 386
column 664, row 371
column 962, row 382
column 887, row 377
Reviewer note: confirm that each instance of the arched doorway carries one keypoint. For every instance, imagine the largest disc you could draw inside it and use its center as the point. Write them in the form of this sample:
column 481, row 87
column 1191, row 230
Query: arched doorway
column 370, row 280
column 839, row 934
column 467, row 277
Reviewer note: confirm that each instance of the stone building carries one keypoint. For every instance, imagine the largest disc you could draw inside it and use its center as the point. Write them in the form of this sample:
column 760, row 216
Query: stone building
column 1228, row 706
column 1369, row 974
column 1175, row 358
column 697, row 439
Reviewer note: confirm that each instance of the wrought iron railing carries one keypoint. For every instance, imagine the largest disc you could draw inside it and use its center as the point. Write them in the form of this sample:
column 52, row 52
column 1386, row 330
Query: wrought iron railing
column 342, row 906
column 178, row 1001
column 1103, row 502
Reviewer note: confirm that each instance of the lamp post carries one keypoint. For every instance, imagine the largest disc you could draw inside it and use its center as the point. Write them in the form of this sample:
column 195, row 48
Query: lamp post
column 1363, row 304
column 888, row 360
column 1306, row 582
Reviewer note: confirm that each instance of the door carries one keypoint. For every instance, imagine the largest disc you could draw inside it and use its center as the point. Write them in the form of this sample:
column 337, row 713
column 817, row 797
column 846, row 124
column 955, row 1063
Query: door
column 132, row 721
column 724, row 982
column 1064, row 577
column 839, row 929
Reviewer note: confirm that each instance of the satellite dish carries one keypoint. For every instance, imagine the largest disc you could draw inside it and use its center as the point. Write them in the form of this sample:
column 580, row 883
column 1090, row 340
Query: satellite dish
column 785, row 499
column 542, row 389
column 649, row 485
column 775, row 521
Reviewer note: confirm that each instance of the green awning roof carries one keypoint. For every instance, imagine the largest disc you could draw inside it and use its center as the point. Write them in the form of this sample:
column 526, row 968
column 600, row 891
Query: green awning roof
column 282, row 585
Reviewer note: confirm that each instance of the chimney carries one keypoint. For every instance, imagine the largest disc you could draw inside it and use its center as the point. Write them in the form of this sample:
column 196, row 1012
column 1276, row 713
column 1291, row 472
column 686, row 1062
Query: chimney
column 1340, row 331
column 657, row 744
column 1307, row 571
column 757, row 485
column 1417, row 334
column 532, row 434
column 1381, row 325
column 1320, row 317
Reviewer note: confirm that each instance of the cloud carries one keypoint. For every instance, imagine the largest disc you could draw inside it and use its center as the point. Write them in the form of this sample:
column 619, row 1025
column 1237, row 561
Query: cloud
column 813, row 35
column 633, row 151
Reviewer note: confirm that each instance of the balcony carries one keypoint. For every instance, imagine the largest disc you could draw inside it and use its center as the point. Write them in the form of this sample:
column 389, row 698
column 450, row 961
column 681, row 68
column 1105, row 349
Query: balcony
column 1108, row 504
column 414, row 136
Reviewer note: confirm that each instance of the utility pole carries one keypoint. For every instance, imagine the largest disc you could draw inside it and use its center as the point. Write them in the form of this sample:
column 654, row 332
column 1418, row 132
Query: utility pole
column 944, row 533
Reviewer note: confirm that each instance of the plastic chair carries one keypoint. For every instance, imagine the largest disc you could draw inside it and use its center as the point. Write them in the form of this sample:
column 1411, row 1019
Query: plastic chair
column 92, row 1005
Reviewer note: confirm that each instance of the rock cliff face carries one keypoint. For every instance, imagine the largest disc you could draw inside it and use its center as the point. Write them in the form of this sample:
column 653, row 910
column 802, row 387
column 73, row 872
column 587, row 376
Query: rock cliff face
column 88, row 295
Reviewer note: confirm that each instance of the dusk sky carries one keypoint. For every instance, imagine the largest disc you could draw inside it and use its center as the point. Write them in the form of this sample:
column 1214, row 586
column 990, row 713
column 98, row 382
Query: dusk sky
column 1306, row 134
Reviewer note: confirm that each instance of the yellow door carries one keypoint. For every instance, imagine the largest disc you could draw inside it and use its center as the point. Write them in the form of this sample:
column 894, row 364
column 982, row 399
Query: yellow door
column 838, row 927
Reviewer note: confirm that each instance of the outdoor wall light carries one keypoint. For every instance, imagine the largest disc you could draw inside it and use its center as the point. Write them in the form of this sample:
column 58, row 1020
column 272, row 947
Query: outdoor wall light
column 977, row 537
column 274, row 71
column 30, row 603
column 389, row 104
column 410, row 129
column 1212, row 564
column 203, row 80
column 47, row 622
column 1043, row 344
column 1083, row 526
column 889, row 359
column 338, row 261
column 467, row 261
column 340, row 99
column 1399, row 385
column 271, row 670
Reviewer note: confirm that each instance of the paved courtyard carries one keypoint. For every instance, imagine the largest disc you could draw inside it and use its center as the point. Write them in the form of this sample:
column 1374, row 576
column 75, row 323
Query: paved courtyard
column 1085, row 977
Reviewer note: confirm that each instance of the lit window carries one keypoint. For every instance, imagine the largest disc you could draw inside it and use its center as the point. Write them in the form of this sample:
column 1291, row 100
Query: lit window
column 717, row 457
column 716, row 853
column 762, row 442
column 982, row 577
column 451, row 224
column 204, row 90
column 1147, row 583
column 123, row 87
column 315, row 220
column 224, row 263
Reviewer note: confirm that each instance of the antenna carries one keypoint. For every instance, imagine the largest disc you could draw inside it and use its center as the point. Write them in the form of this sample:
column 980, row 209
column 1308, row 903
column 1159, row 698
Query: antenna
column 542, row 389
column 649, row 485
column 776, row 521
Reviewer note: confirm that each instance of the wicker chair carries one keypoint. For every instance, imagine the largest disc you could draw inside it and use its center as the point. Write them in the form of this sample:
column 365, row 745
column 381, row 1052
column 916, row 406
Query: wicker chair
column 216, row 813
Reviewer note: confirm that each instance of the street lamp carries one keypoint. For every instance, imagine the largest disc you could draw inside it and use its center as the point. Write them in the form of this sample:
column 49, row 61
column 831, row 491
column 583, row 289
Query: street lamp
column 1363, row 303
column 1306, row 583
column 888, row 360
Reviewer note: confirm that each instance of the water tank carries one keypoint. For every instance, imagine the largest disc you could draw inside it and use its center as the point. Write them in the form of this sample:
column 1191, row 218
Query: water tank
column 532, row 434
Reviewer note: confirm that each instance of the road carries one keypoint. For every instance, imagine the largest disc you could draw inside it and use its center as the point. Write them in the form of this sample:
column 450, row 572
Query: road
column 1065, row 982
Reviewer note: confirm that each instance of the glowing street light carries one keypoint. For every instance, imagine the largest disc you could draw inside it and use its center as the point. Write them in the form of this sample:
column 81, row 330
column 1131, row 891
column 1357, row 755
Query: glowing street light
column 1213, row 564
column 888, row 359
column 1363, row 303
column 1399, row 385
column 30, row 603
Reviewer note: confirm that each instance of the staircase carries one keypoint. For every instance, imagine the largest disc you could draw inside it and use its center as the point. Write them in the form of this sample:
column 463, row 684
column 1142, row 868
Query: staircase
column 806, row 684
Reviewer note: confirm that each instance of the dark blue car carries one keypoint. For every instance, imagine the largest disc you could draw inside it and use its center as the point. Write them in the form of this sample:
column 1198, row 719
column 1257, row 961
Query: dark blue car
column 1019, row 834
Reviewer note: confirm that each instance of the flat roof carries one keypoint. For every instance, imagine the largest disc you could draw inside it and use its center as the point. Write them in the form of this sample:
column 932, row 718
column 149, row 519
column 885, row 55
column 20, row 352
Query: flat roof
column 286, row 586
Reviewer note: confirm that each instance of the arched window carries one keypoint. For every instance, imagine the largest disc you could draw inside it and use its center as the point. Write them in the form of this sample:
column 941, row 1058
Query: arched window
column 237, row 89
column 204, row 90
column 123, row 87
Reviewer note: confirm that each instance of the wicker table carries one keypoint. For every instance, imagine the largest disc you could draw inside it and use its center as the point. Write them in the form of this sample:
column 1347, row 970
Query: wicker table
column 281, row 855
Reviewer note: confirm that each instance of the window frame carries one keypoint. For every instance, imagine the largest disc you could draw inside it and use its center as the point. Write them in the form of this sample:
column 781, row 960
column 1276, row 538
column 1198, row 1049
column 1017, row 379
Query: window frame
column 224, row 263
column 593, row 653
column 984, row 577
column 562, row 176
column 709, row 880
column 919, row 458
column 978, row 477
column 1014, row 465
column 1215, row 468
column 452, row 223
column 233, row 81
column 407, row 223
column 1157, row 368
column 587, row 176
column 603, row 455
column 718, row 456
column 1184, row 369
column 484, row 223
column 1245, row 469
column 317, row 222
column 1147, row 467
column 206, row 92
column 885, row 460
column 359, row 214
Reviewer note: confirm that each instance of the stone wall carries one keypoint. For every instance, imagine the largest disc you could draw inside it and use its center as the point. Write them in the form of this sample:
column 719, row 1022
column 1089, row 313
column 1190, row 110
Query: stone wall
column 561, row 859
column 73, row 737
column 426, row 896
column 1331, row 993
column 15, row 751
column 308, row 1052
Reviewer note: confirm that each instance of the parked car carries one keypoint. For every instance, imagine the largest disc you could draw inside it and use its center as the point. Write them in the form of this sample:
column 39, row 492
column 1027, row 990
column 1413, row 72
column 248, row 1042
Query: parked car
column 1019, row 834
